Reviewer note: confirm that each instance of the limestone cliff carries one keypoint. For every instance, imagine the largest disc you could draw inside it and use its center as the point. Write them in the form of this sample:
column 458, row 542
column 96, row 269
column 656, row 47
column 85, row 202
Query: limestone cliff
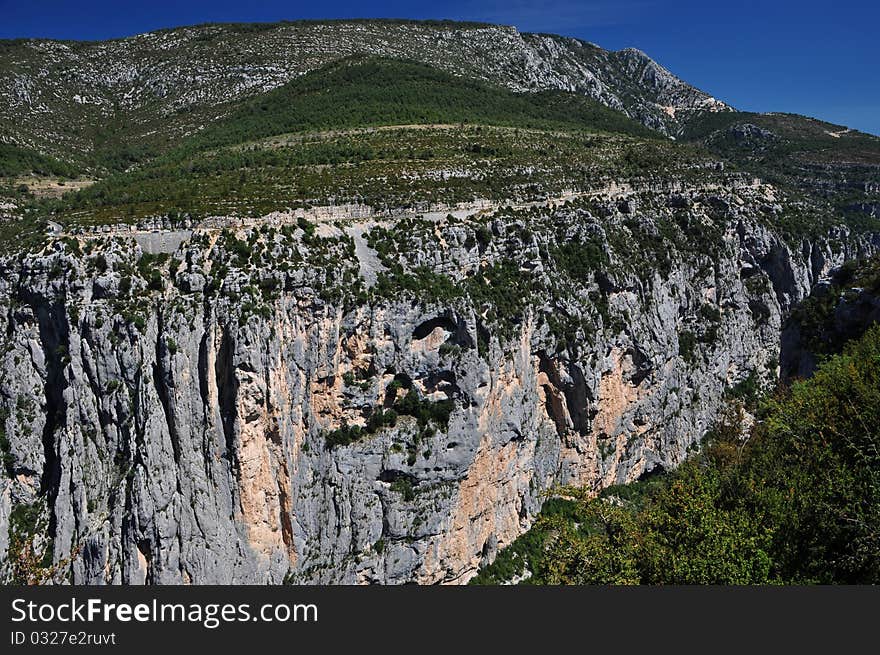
column 191, row 419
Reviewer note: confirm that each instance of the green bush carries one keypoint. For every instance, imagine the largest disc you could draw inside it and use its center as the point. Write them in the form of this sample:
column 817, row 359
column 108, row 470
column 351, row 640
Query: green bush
column 687, row 344
column 404, row 487
column 425, row 411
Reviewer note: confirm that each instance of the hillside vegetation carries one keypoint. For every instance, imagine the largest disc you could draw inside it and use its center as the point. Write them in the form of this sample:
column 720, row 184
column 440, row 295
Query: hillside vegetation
column 16, row 161
column 831, row 163
column 314, row 141
column 336, row 134
column 371, row 91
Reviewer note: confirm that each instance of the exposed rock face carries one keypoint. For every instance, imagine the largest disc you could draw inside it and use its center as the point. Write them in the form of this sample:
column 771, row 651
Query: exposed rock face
column 748, row 133
column 179, row 434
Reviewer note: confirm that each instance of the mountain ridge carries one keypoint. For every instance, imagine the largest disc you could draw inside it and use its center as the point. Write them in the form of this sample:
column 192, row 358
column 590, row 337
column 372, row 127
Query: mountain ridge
column 57, row 92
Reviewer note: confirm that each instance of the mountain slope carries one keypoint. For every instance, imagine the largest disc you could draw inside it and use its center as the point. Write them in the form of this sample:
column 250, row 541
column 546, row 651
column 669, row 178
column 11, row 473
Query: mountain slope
column 92, row 100
column 341, row 133
column 834, row 164
column 373, row 91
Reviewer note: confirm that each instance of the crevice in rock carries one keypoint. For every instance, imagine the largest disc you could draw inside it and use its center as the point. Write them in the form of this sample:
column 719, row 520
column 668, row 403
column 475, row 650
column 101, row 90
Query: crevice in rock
column 55, row 341
column 161, row 378
column 203, row 369
column 578, row 398
column 642, row 363
column 227, row 389
column 392, row 475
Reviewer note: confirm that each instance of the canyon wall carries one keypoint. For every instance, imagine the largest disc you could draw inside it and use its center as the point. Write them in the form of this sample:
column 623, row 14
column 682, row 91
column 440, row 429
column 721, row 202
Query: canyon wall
column 175, row 424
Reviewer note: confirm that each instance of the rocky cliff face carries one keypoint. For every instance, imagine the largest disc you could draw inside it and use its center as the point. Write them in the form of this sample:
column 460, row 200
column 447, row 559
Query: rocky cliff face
column 191, row 420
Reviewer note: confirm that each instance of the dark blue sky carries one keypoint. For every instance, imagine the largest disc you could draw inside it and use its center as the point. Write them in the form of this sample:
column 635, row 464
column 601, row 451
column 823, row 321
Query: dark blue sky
column 810, row 57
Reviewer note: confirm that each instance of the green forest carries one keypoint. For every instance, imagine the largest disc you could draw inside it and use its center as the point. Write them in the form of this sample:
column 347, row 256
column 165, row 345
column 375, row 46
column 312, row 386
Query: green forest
column 370, row 91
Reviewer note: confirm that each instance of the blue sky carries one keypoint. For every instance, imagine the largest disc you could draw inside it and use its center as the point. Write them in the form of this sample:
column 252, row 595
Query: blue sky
column 809, row 57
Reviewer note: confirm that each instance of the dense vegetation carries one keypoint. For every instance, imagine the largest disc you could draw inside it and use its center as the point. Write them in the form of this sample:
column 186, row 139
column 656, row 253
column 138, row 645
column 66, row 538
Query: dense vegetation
column 370, row 91
column 796, row 501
